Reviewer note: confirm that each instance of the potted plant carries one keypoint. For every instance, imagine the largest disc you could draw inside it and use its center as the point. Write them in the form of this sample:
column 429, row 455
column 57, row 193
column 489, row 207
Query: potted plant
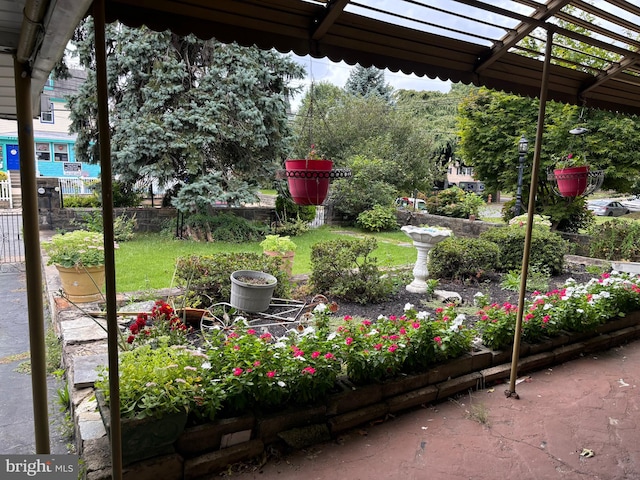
column 282, row 247
column 79, row 258
column 308, row 178
column 572, row 174
column 251, row 291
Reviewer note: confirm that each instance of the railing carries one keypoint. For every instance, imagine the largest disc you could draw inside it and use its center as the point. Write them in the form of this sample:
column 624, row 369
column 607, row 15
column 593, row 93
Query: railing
column 76, row 186
column 5, row 192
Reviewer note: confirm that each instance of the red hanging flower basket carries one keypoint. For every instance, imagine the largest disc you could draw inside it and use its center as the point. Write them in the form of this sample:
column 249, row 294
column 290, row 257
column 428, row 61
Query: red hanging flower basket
column 308, row 180
column 573, row 181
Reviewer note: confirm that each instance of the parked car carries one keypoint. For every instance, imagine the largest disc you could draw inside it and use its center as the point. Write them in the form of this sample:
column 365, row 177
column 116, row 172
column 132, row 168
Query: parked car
column 408, row 203
column 607, row 208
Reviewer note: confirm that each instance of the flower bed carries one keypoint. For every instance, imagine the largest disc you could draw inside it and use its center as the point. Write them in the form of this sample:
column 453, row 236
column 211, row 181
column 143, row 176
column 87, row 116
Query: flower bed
column 244, row 389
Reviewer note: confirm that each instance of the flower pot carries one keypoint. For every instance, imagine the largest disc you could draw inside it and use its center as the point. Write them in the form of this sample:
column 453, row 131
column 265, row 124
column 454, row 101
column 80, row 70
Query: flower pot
column 308, row 180
column 82, row 284
column 286, row 257
column 572, row 182
column 144, row 437
column 251, row 291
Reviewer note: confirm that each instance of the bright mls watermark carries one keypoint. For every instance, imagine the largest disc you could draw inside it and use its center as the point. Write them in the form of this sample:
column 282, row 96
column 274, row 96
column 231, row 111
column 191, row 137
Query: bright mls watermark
column 50, row 467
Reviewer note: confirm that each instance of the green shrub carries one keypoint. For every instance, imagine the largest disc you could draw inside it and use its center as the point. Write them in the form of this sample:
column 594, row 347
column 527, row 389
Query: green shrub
column 547, row 248
column 81, row 201
column 460, row 258
column 206, row 278
column 288, row 211
column 536, row 281
column 378, row 219
column 615, row 240
column 343, row 268
column 454, row 202
column 123, row 225
column 223, row 227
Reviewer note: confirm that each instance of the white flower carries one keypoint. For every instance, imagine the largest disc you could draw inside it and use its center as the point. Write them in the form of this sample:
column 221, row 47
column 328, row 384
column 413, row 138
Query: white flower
column 479, row 294
column 457, row 322
column 332, row 335
column 206, row 366
column 579, row 310
column 422, row 315
column 320, row 308
column 408, row 306
column 381, row 317
column 281, row 384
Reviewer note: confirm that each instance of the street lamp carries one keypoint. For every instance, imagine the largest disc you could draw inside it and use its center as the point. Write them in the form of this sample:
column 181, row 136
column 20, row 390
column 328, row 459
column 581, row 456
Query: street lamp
column 523, row 148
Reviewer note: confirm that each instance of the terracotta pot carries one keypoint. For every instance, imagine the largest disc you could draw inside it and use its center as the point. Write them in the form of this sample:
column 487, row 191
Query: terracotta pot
column 191, row 316
column 82, row 284
column 572, row 182
column 286, row 257
column 308, row 180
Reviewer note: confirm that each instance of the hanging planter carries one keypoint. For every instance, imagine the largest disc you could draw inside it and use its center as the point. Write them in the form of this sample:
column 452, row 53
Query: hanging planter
column 308, row 180
column 573, row 181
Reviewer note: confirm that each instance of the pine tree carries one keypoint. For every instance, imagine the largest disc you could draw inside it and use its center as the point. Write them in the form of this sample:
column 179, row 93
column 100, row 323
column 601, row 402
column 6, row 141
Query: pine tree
column 209, row 116
column 368, row 81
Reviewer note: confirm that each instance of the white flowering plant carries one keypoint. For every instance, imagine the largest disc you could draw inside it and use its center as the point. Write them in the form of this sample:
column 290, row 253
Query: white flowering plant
column 572, row 308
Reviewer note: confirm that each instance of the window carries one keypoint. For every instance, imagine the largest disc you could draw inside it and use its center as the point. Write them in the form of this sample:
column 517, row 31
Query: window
column 1, row 156
column 47, row 117
column 43, row 152
column 61, row 152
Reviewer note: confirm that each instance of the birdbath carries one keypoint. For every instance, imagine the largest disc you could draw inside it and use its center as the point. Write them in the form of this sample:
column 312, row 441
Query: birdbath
column 424, row 239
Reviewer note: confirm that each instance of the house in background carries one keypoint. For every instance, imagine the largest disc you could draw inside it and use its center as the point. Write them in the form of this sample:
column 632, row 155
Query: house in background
column 54, row 146
column 462, row 176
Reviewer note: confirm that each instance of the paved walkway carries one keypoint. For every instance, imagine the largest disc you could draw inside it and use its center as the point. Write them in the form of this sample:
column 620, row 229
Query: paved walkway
column 17, row 434
column 576, row 421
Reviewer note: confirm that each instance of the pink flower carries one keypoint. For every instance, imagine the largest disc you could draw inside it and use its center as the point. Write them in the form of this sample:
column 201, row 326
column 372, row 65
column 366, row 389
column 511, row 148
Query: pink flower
column 438, row 340
column 265, row 336
column 308, row 370
column 256, row 363
column 236, row 347
column 393, row 348
column 366, row 323
column 298, row 353
column 378, row 346
column 271, row 374
column 528, row 316
column 393, row 318
column 315, row 354
column 329, row 356
column 416, row 325
column 251, row 331
column 237, row 371
column 546, row 319
column 347, row 318
column 349, row 341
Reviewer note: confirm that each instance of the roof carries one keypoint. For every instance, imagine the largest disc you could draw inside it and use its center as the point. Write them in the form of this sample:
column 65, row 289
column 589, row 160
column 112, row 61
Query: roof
column 468, row 41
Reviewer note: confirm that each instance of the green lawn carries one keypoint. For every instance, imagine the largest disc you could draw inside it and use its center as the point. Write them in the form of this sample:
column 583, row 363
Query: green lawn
column 147, row 262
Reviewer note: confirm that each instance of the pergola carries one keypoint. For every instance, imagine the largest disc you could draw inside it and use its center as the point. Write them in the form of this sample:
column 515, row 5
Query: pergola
column 470, row 41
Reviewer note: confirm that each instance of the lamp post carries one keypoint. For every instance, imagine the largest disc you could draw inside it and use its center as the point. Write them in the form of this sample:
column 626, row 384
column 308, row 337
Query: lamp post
column 523, row 148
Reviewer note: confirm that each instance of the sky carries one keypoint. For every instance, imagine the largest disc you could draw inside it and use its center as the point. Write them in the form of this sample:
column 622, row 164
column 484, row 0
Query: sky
column 324, row 70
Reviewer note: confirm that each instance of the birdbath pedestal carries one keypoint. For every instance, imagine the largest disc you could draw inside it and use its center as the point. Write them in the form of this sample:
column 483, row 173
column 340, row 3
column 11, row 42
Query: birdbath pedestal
column 424, row 239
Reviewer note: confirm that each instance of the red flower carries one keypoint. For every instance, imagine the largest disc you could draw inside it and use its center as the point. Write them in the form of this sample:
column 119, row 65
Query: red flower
column 308, row 370
column 131, row 338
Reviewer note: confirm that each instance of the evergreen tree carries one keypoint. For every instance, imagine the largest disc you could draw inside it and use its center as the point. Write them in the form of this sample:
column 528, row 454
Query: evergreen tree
column 210, row 116
column 368, row 81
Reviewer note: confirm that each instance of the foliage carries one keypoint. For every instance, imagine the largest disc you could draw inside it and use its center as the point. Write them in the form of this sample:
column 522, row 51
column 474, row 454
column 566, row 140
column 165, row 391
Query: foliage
column 171, row 115
column 124, row 194
column 344, row 268
column 368, row 81
column 571, row 160
column 288, row 210
column 547, row 248
column 369, row 185
column 491, row 123
column 3, row 176
column 159, row 381
column 161, row 328
column 382, row 349
column 259, row 371
column 82, row 201
column 461, row 258
column 569, row 214
column 615, row 240
column 206, row 278
column 223, row 227
column 123, row 225
column 344, row 126
column 521, row 220
column 378, row 219
column 536, row 280
column 573, row 308
column 277, row 243
column 454, row 202
column 75, row 249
